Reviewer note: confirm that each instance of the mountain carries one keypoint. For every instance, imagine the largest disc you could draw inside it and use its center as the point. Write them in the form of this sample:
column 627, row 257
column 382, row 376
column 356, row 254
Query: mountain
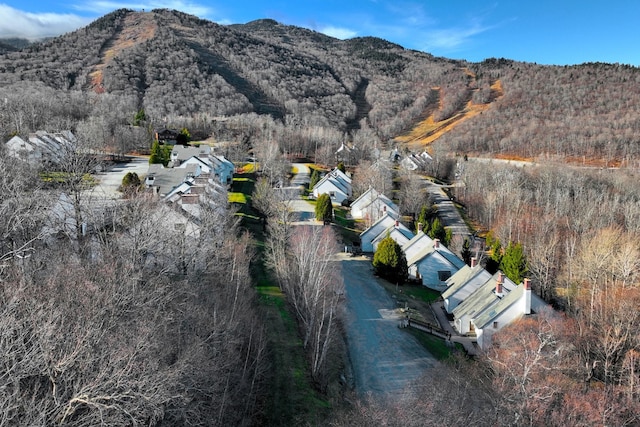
column 176, row 65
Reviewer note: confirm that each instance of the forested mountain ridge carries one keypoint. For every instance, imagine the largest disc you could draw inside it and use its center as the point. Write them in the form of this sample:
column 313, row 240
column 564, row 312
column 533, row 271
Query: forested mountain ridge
column 183, row 66
column 174, row 66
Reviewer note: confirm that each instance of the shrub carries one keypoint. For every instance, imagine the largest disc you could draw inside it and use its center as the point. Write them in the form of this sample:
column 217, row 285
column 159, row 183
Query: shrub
column 130, row 183
column 389, row 261
column 324, row 208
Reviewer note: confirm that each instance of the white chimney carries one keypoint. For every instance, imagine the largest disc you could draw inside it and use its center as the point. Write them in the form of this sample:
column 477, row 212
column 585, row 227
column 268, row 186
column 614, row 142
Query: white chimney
column 436, row 243
column 474, row 262
column 527, row 296
column 419, row 227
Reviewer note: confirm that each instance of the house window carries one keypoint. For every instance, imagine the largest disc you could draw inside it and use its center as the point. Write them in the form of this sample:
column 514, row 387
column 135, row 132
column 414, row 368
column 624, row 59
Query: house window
column 444, row 275
column 332, row 194
column 495, row 325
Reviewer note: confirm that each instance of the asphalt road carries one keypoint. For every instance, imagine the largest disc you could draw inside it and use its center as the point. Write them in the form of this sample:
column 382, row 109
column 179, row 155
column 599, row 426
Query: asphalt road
column 447, row 212
column 386, row 360
column 303, row 176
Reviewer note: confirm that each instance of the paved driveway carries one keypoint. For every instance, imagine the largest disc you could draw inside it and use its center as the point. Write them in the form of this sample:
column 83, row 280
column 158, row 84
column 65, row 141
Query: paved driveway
column 110, row 180
column 386, row 360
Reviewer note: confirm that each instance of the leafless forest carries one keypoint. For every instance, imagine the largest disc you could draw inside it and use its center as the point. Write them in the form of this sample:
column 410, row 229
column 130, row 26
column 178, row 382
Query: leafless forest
column 137, row 325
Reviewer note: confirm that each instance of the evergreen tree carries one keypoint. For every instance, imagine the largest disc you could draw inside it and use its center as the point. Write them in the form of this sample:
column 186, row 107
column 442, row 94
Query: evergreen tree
column 184, row 137
column 160, row 154
column 495, row 259
column 139, row 118
column 390, row 262
column 437, row 231
column 156, row 154
column 315, row 177
column 341, row 167
column 513, row 263
column 426, row 216
column 465, row 253
column 130, row 183
column 324, row 208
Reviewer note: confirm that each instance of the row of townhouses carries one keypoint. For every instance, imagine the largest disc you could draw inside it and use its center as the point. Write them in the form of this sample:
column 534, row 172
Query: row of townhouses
column 477, row 303
column 41, row 147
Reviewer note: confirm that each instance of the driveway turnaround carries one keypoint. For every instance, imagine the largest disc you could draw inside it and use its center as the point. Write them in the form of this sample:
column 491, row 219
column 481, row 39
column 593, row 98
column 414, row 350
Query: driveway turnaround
column 385, row 359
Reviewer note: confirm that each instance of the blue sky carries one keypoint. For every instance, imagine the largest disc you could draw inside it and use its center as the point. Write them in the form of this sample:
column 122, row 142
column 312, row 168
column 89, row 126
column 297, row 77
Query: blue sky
column 546, row 32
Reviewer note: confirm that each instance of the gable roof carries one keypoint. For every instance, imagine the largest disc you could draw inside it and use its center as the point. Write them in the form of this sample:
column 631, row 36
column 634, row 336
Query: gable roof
column 166, row 179
column 463, row 278
column 370, row 197
column 502, row 304
column 400, row 232
column 365, row 198
column 337, row 179
column 379, row 226
column 429, row 250
column 182, row 153
column 420, row 240
column 483, row 298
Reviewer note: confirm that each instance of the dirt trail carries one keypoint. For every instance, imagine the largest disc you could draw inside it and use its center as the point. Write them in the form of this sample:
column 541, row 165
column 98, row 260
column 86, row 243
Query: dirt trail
column 137, row 28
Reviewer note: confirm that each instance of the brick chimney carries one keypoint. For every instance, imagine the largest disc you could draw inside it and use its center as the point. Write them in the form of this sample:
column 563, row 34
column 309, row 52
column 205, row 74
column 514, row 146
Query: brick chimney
column 436, row 243
column 499, row 284
column 397, row 223
column 474, row 262
column 527, row 296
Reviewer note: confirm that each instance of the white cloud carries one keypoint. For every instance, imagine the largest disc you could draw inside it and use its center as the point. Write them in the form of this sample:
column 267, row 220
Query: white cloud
column 451, row 39
column 339, row 33
column 33, row 26
column 102, row 7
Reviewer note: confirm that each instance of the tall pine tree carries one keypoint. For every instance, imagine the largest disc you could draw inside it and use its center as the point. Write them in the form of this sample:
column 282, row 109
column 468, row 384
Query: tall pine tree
column 514, row 262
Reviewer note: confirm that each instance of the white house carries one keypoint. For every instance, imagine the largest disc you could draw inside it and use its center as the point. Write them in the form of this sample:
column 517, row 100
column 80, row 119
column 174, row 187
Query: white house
column 180, row 153
column 380, row 226
column 224, row 168
column 416, row 161
column 464, row 283
column 494, row 305
column 433, row 265
column 164, row 180
column 507, row 309
column 336, row 184
column 41, row 146
column 418, row 243
column 371, row 205
column 398, row 232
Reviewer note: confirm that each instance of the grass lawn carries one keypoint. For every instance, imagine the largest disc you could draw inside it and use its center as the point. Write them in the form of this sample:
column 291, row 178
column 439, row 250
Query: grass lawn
column 292, row 398
column 436, row 346
column 420, row 292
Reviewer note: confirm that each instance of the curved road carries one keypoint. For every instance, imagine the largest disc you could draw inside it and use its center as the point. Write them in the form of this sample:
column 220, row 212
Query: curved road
column 386, row 360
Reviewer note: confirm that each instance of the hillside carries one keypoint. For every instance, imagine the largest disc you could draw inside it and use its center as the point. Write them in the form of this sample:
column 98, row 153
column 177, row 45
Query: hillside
column 178, row 67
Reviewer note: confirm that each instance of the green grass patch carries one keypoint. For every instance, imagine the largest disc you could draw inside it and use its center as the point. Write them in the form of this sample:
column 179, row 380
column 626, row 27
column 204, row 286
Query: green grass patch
column 240, row 198
column 53, row 177
column 436, row 346
column 243, row 179
column 292, row 399
column 420, row 292
column 341, row 218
